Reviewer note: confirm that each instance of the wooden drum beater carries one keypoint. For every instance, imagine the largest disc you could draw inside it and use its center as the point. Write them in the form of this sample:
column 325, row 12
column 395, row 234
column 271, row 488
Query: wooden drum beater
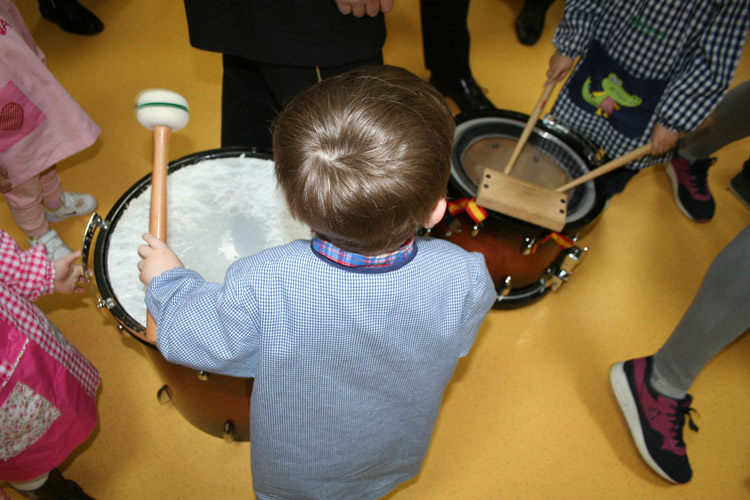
column 161, row 111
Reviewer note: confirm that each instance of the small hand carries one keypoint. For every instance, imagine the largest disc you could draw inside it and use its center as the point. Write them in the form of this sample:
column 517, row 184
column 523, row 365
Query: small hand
column 68, row 274
column 5, row 184
column 156, row 258
column 359, row 8
column 559, row 67
column 663, row 139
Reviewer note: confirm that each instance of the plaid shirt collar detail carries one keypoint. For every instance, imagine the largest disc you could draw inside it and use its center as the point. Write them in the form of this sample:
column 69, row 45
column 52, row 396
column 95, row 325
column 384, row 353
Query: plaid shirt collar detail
column 331, row 252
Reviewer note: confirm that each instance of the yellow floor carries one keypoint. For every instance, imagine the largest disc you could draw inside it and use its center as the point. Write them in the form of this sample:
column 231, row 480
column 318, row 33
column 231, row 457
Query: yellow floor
column 529, row 414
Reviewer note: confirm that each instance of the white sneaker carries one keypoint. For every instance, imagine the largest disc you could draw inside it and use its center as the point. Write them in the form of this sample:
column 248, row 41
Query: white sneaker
column 56, row 248
column 73, row 204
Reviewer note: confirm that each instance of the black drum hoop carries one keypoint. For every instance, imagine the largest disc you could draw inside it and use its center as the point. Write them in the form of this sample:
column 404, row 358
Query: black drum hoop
column 101, row 247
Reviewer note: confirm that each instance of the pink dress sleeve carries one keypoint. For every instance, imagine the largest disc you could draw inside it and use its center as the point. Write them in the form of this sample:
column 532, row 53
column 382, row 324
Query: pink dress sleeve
column 27, row 272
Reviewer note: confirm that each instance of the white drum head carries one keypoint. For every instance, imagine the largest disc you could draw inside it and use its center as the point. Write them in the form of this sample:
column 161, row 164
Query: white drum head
column 218, row 210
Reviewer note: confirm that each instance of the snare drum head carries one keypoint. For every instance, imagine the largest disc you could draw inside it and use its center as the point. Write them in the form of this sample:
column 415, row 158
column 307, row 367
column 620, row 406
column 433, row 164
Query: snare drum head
column 551, row 157
column 221, row 205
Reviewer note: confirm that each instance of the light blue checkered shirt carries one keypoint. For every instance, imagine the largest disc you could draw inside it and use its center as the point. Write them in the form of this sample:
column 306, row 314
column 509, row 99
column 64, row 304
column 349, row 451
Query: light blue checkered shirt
column 349, row 366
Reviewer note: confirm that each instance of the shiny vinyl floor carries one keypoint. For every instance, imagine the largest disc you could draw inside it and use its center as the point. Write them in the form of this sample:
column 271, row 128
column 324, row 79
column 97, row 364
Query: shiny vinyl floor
column 529, row 414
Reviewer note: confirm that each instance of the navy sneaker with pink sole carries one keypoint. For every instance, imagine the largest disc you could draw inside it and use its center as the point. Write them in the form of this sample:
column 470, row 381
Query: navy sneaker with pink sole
column 690, row 187
column 656, row 422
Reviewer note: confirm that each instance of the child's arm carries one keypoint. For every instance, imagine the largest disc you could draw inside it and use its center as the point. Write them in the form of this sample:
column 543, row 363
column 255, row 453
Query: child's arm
column 559, row 67
column 576, row 29
column 207, row 326
column 28, row 273
column 572, row 36
column 663, row 139
column 156, row 257
column 69, row 275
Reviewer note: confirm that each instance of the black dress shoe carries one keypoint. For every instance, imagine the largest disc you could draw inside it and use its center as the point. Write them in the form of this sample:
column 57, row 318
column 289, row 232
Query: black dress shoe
column 71, row 16
column 530, row 24
column 465, row 92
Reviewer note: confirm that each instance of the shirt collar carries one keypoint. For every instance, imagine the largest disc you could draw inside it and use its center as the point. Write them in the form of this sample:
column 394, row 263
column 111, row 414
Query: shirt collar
column 350, row 259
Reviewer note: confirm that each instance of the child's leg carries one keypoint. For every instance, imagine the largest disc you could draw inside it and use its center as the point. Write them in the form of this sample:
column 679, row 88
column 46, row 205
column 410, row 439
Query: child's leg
column 60, row 205
column 25, row 203
column 615, row 181
column 730, row 121
column 51, row 187
column 717, row 316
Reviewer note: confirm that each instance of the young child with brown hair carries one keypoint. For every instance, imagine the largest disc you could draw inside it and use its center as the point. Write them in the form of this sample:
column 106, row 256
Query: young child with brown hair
column 353, row 336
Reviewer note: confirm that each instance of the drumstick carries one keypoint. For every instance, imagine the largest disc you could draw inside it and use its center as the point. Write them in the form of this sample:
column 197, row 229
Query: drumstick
column 161, row 111
column 529, row 126
column 607, row 167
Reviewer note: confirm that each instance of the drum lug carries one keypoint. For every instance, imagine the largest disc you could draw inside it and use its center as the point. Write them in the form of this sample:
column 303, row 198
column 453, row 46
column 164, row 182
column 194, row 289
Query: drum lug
column 568, row 261
column 164, row 394
column 452, row 225
column 228, row 431
column 528, row 244
column 504, row 289
column 202, row 375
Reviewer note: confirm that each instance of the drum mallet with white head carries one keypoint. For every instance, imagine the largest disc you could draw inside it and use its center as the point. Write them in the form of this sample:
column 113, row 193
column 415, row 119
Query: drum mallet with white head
column 161, row 111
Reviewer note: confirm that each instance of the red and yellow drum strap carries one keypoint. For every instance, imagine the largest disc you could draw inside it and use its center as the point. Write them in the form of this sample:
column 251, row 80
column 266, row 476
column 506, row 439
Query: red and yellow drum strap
column 468, row 205
column 562, row 241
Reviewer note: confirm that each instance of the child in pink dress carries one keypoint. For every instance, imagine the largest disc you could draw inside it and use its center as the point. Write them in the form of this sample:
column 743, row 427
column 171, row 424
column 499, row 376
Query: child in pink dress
column 40, row 124
column 47, row 387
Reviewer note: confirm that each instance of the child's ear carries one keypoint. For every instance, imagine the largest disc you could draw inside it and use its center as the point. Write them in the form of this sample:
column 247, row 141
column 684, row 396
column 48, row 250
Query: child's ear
column 437, row 214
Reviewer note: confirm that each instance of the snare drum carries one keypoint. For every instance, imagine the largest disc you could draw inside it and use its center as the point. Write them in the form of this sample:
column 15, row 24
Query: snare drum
column 221, row 205
column 525, row 260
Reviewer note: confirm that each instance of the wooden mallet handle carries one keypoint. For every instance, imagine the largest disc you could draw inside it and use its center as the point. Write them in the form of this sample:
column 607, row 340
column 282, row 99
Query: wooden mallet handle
column 158, row 217
column 162, row 111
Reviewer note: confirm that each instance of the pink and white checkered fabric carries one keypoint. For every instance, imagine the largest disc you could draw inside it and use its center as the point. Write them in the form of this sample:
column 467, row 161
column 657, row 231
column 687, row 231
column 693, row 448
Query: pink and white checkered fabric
column 24, row 277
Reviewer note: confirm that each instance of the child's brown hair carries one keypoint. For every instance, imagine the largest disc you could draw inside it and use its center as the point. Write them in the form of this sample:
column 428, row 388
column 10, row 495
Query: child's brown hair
column 364, row 157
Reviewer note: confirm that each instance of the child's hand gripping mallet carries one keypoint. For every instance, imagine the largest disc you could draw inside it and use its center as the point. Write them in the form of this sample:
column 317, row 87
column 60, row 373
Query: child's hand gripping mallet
column 161, row 111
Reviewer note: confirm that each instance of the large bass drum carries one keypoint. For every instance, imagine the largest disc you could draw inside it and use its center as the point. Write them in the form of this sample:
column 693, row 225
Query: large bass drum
column 221, row 205
column 525, row 260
